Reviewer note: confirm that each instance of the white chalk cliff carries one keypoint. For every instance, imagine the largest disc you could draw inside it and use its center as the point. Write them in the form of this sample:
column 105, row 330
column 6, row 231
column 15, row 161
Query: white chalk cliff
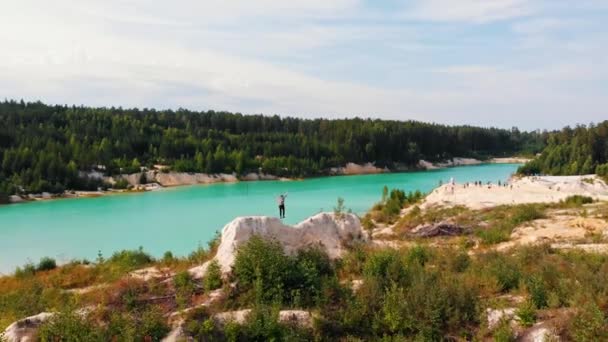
column 326, row 230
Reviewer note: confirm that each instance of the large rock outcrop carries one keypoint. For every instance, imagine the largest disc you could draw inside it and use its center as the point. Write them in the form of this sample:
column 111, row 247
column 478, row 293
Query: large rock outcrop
column 439, row 229
column 25, row 330
column 326, row 230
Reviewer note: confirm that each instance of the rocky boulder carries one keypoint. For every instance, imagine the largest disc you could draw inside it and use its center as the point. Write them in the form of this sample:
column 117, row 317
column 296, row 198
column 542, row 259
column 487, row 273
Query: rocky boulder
column 438, row 229
column 15, row 199
column 332, row 233
column 25, row 330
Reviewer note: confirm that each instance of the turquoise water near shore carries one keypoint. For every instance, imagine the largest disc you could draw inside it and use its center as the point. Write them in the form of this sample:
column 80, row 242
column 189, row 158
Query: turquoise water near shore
column 179, row 219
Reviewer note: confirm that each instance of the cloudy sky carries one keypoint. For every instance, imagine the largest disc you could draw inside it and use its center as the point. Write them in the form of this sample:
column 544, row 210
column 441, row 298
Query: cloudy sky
column 531, row 64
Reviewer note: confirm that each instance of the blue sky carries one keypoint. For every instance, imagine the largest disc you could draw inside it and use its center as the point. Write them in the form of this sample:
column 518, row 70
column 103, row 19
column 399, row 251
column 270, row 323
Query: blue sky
column 532, row 64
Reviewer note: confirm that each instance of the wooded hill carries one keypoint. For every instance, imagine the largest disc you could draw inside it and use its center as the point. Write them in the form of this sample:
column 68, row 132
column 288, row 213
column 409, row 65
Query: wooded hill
column 43, row 147
column 573, row 151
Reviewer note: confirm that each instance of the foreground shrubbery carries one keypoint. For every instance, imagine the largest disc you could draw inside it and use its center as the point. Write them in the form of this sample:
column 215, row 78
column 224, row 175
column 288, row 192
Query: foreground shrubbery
column 266, row 275
column 417, row 293
column 36, row 288
column 422, row 293
column 149, row 325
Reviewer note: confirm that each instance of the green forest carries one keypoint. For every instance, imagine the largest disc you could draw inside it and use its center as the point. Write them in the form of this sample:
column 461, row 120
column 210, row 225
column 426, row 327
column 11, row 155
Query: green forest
column 45, row 148
column 573, row 151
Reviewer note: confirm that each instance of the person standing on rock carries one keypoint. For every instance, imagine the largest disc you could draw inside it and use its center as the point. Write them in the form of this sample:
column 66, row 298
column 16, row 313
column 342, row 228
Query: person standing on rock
column 281, row 201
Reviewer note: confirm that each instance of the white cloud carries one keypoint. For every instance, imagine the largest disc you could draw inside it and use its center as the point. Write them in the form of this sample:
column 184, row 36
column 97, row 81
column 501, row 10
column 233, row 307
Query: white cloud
column 475, row 11
column 538, row 26
column 187, row 12
column 223, row 55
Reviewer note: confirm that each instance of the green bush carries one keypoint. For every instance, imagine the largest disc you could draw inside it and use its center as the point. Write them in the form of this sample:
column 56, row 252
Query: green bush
column 494, row 235
column 339, row 209
column 418, row 255
column 120, row 326
column 130, row 259
column 263, row 262
column 527, row 314
column 205, row 330
column 184, row 288
column 199, row 255
column 311, row 268
column 589, row 324
column 394, row 203
column 263, row 325
column 367, row 223
column 262, row 268
column 69, row 327
column 427, row 306
column 148, row 325
column 391, row 203
column 526, row 213
column 46, row 264
column 121, row 184
column 213, row 276
column 602, row 171
column 30, row 298
column 538, row 291
column 168, row 257
column 351, row 264
column 506, row 273
column 577, row 200
column 28, row 270
column 504, row 332
column 460, row 262
column 384, row 266
column 152, row 326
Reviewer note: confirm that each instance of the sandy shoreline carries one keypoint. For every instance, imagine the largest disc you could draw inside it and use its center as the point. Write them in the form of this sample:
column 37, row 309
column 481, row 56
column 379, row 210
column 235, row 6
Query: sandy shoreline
column 426, row 165
column 542, row 189
column 158, row 180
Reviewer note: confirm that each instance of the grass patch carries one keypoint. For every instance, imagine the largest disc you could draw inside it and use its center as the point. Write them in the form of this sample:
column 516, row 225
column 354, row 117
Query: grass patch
column 576, row 201
column 495, row 225
column 416, row 217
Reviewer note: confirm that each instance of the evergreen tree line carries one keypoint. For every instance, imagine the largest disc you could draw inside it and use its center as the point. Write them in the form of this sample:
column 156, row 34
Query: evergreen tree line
column 46, row 148
column 573, row 151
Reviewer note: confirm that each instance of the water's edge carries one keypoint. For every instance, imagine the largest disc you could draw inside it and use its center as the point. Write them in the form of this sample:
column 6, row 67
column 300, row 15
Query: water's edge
column 220, row 179
column 180, row 218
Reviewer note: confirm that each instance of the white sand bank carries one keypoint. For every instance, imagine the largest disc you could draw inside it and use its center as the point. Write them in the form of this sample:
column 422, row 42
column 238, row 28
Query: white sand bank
column 544, row 189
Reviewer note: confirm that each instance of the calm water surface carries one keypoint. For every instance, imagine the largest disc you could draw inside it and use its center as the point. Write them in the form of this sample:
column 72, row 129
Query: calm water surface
column 179, row 219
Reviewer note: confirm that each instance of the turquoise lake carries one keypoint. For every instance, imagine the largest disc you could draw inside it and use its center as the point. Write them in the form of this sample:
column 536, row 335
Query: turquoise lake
column 179, row 219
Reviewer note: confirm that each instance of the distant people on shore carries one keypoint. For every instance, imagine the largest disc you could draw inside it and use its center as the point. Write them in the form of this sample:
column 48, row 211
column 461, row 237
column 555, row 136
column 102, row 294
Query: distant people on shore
column 451, row 185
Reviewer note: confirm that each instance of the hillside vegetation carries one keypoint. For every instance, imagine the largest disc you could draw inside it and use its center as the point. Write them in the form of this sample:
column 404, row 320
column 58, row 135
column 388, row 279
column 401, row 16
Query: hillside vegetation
column 403, row 287
column 43, row 148
column 573, row 151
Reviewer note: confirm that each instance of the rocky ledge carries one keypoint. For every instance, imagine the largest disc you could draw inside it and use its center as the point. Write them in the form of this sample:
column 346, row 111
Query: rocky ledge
column 330, row 232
